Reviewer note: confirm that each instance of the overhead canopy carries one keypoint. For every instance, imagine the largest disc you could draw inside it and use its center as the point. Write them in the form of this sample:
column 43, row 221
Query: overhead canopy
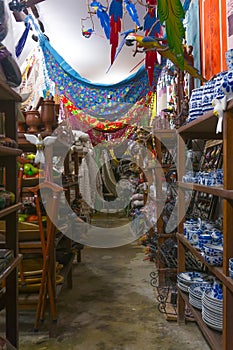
column 110, row 102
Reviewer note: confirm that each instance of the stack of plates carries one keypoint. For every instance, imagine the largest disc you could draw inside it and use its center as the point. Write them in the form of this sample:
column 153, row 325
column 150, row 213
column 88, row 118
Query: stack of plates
column 196, row 291
column 185, row 279
column 212, row 310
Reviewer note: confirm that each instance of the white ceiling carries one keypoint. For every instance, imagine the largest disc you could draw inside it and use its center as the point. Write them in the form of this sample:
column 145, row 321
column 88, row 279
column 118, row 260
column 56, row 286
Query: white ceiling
column 90, row 57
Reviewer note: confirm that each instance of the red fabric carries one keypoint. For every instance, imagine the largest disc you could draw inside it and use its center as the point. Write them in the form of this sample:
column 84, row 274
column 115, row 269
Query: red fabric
column 213, row 36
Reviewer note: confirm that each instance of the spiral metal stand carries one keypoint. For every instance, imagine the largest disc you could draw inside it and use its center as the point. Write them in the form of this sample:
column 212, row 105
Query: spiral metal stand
column 166, row 292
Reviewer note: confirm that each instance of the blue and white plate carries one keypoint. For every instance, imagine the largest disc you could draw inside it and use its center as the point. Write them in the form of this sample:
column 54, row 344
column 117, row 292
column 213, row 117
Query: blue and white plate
column 185, row 279
column 192, row 277
column 196, row 291
column 212, row 310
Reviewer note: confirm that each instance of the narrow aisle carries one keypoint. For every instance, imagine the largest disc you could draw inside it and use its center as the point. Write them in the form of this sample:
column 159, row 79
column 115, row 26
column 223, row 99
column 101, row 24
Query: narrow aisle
column 112, row 307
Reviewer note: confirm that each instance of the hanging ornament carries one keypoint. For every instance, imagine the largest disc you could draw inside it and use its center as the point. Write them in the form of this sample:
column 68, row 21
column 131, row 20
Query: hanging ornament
column 115, row 13
column 132, row 11
column 101, row 12
column 40, row 145
column 22, row 41
column 87, row 32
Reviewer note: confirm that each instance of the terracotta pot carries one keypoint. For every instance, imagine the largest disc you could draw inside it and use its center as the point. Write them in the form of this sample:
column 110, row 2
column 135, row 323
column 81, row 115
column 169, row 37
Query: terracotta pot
column 48, row 115
column 33, row 121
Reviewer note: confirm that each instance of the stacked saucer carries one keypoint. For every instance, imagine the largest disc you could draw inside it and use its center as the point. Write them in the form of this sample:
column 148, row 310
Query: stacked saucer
column 186, row 279
column 196, row 291
column 212, row 309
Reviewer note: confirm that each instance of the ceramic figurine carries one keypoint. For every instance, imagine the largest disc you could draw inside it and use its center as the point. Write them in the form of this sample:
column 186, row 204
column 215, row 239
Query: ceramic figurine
column 219, row 108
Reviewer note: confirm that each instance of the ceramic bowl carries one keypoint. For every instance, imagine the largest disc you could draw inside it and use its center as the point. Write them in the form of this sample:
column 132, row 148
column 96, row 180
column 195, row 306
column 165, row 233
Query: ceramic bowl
column 231, row 273
column 231, row 263
column 203, row 239
column 212, row 250
column 214, row 260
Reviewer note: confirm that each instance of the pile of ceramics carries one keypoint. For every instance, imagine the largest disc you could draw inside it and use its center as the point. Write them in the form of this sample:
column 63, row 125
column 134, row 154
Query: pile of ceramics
column 212, row 307
column 186, row 279
column 196, row 291
column 210, row 178
column 205, row 294
column 221, row 85
column 206, row 238
column 201, row 100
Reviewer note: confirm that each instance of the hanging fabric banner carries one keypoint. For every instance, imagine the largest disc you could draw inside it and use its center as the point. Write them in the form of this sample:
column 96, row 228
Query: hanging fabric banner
column 135, row 116
column 100, row 100
column 107, row 101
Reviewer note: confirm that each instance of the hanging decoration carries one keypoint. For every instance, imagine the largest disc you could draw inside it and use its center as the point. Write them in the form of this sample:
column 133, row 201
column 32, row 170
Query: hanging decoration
column 101, row 12
column 132, row 11
column 115, row 13
column 152, row 25
column 97, row 136
column 98, row 100
column 21, row 43
column 132, row 117
column 87, row 32
column 110, row 106
column 149, row 43
column 172, row 13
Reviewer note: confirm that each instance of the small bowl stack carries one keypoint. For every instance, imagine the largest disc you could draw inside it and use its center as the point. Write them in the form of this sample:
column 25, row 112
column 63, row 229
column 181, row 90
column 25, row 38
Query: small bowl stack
column 213, row 254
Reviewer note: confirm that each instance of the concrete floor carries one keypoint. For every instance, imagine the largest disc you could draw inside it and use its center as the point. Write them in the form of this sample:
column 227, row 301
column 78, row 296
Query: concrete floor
column 110, row 307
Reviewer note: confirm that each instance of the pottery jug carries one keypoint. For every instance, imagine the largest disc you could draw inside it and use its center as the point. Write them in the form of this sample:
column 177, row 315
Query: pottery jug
column 48, row 115
column 33, row 121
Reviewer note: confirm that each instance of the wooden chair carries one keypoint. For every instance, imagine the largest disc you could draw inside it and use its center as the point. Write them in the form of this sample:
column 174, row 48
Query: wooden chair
column 47, row 287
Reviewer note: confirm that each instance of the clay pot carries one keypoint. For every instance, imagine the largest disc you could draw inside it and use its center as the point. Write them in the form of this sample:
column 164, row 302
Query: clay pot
column 33, row 121
column 48, row 115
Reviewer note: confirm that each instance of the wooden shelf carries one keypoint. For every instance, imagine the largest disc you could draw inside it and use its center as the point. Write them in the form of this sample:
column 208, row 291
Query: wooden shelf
column 213, row 337
column 215, row 270
column 7, row 94
column 8, row 157
column 9, row 151
column 9, row 210
column 12, row 265
column 214, row 190
column 204, row 127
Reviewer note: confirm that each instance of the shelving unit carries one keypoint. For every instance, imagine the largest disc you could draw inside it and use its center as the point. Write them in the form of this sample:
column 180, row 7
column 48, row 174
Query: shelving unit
column 162, row 139
column 204, row 127
column 8, row 160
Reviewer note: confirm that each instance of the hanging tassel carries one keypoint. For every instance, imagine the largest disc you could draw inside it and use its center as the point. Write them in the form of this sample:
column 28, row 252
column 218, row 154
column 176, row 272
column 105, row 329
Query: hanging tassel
column 22, row 41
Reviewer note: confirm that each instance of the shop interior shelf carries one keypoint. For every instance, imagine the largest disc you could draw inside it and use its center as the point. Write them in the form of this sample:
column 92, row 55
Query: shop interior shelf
column 213, row 337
